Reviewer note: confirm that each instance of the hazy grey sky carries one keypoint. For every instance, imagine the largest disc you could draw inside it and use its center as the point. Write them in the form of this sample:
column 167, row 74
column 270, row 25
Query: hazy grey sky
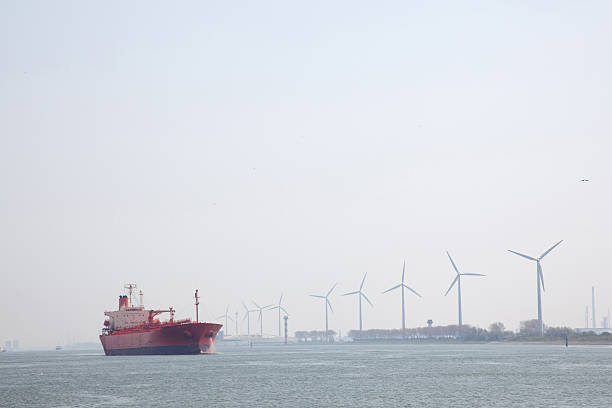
column 256, row 147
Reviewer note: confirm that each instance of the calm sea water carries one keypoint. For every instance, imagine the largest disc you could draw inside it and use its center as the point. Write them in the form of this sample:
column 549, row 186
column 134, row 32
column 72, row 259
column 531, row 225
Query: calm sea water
column 319, row 376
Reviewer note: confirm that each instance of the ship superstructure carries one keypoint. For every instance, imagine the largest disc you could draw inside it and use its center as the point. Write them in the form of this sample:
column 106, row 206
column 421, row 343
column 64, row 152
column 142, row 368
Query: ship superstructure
column 133, row 330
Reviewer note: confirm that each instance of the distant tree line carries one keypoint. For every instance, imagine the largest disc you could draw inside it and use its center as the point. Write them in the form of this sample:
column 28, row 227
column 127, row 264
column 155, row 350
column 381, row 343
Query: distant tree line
column 451, row 332
column 496, row 332
column 314, row 335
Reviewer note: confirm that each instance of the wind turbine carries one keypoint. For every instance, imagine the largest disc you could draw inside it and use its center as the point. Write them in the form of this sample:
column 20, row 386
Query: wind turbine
column 457, row 280
column 261, row 309
column 227, row 316
column 247, row 316
column 540, row 278
column 360, row 294
column 402, row 285
column 279, row 307
column 327, row 304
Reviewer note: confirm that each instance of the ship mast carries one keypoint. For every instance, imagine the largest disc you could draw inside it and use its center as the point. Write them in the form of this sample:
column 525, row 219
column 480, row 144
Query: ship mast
column 197, row 303
column 130, row 287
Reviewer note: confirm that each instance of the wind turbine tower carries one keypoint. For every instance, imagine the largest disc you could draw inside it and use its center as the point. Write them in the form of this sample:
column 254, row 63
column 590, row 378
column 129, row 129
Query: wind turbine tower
column 261, row 309
column 227, row 316
column 328, row 306
column 360, row 294
column 593, row 306
column 247, row 317
column 457, row 280
column 403, row 286
column 586, row 317
column 280, row 308
column 540, row 280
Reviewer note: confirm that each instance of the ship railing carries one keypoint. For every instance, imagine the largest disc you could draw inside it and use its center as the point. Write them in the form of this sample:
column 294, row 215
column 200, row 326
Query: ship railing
column 152, row 325
column 183, row 321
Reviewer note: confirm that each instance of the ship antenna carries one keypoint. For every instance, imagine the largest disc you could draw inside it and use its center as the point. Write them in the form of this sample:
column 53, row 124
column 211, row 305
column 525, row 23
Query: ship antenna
column 197, row 303
column 130, row 287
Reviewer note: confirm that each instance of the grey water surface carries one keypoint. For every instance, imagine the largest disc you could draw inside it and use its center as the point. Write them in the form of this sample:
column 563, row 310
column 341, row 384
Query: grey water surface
column 373, row 375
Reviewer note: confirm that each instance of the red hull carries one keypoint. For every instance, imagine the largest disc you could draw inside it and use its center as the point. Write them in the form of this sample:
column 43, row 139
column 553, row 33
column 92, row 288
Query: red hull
column 186, row 338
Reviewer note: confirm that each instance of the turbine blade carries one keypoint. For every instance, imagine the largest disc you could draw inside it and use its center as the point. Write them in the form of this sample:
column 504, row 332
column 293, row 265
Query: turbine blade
column 524, row 256
column 330, row 306
column 265, row 307
column 245, row 316
column 550, row 249
column 473, row 274
column 230, row 318
column 452, row 284
column 363, row 280
column 351, row 293
column 318, row 296
column 245, row 306
column 220, row 317
column 366, row 298
column 280, row 300
column 403, row 271
column 395, row 287
column 412, row 290
column 454, row 266
column 330, row 291
column 541, row 276
column 256, row 305
column 286, row 312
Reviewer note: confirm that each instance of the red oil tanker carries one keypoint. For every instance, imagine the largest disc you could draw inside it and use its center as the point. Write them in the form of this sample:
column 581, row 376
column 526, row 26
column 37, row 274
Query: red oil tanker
column 134, row 330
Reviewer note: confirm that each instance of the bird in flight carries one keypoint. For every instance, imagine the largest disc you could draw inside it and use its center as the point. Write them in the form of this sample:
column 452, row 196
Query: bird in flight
column 583, row 180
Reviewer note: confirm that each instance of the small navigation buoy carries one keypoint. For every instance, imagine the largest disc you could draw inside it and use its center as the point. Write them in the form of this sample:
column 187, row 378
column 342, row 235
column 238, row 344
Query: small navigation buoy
column 566, row 341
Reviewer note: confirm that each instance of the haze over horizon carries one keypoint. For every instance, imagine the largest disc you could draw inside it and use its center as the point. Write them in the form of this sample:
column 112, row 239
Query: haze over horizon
column 254, row 148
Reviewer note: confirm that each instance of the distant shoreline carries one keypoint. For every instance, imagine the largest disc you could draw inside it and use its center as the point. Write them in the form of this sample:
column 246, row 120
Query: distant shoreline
column 555, row 342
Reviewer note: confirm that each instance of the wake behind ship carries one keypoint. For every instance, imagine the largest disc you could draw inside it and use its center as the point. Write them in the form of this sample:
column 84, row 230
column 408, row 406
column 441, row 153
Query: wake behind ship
column 134, row 330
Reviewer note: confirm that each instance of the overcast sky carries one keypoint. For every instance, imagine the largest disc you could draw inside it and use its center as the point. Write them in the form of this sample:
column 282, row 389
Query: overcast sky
column 254, row 148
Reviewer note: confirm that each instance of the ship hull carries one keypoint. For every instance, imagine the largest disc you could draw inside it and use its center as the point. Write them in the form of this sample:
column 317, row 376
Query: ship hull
column 190, row 338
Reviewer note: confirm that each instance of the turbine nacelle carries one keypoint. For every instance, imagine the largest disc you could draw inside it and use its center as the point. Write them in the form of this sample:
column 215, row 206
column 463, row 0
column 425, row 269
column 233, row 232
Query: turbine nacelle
column 326, row 297
column 278, row 306
column 247, row 311
column 459, row 274
column 360, row 292
column 260, row 308
column 537, row 260
column 402, row 284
